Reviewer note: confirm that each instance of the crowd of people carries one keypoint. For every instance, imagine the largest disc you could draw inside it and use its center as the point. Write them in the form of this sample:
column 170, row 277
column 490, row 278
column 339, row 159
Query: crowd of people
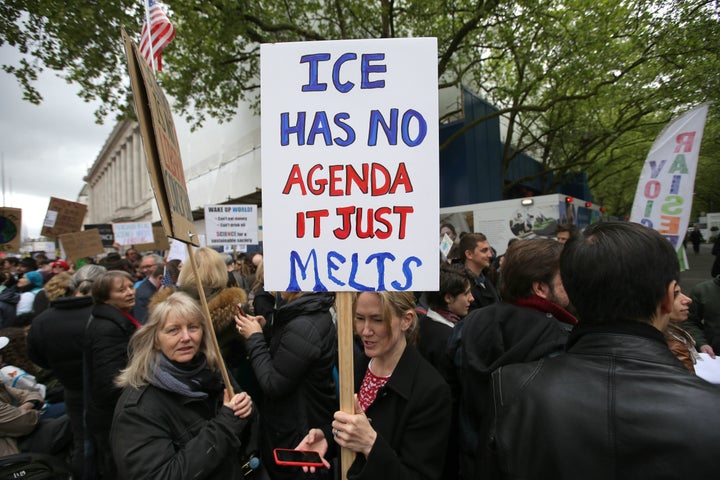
column 569, row 357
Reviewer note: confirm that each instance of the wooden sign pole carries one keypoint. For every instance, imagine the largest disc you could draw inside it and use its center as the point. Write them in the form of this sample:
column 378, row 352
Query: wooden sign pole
column 343, row 302
column 210, row 330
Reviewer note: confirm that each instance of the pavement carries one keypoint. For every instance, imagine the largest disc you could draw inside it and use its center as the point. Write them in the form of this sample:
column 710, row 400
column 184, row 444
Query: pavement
column 700, row 265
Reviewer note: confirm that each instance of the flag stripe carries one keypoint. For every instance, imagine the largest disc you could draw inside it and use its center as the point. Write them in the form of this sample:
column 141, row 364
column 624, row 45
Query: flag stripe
column 154, row 39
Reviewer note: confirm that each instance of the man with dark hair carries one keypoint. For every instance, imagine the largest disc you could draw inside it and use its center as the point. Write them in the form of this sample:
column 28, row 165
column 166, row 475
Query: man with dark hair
column 475, row 253
column 530, row 323
column 618, row 404
column 565, row 231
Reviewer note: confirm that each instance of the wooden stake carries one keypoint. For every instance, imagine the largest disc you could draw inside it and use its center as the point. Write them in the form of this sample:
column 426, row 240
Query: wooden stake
column 343, row 301
column 208, row 320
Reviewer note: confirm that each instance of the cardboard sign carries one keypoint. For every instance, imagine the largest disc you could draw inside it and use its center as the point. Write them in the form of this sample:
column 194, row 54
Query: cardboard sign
column 350, row 162
column 159, row 243
column 161, row 148
column 81, row 244
column 106, row 232
column 63, row 216
column 231, row 225
column 10, row 229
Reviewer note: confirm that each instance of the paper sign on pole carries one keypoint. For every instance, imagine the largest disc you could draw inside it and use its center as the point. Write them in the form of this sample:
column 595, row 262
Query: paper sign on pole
column 10, row 229
column 81, row 244
column 63, row 216
column 131, row 233
column 664, row 195
column 350, row 164
column 161, row 148
column 231, row 225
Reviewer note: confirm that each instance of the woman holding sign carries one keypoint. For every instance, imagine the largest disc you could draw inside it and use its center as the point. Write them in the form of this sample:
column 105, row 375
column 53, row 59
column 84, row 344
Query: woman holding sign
column 402, row 414
column 174, row 419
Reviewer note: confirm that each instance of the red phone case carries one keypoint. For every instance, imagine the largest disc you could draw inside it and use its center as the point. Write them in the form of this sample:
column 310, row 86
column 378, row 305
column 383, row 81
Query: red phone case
column 297, row 463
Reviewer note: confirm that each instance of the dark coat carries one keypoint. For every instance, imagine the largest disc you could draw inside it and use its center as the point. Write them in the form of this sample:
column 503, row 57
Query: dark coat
column 56, row 338
column 143, row 294
column 618, row 405
column 483, row 341
column 9, row 299
column 107, row 336
column 484, row 294
column 161, row 435
column 294, row 370
column 433, row 336
column 411, row 415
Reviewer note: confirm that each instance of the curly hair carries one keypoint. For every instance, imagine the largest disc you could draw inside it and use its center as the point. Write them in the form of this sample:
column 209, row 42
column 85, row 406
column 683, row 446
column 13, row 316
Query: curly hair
column 58, row 286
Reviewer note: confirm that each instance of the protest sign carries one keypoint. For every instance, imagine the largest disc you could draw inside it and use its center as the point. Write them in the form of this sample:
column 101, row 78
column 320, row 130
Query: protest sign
column 131, row 233
column 10, row 229
column 231, row 225
column 86, row 243
column 159, row 243
column 106, row 232
column 350, row 165
column 63, row 216
column 161, row 148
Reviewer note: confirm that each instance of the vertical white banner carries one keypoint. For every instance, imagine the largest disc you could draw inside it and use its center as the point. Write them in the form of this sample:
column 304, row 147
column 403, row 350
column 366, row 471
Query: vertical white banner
column 350, row 165
column 663, row 199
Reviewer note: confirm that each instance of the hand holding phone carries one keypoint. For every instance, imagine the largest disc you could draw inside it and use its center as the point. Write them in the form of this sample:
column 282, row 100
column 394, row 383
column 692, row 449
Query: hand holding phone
column 297, row 458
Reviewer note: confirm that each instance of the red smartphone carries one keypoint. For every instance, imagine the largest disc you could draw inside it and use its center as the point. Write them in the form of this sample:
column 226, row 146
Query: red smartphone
column 240, row 310
column 297, row 458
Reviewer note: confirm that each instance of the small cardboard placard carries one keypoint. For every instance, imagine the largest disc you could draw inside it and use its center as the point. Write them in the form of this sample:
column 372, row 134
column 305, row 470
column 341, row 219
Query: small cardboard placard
column 81, row 244
column 160, row 241
column 106, row 233
column 63, row 216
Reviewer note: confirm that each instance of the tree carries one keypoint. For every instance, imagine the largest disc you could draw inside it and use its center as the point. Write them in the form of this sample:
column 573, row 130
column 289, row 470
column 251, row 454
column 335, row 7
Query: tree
column 581, row 85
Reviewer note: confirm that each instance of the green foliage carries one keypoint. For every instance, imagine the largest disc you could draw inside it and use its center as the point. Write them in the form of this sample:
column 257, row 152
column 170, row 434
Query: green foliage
column 582, row 85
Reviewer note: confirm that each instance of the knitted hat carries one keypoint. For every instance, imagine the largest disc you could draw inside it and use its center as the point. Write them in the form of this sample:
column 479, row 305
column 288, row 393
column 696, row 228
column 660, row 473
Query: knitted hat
column 35, row 279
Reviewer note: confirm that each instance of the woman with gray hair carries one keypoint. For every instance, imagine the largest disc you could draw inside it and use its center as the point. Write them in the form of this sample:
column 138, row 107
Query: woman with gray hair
column 175, row 418
column 55, row 341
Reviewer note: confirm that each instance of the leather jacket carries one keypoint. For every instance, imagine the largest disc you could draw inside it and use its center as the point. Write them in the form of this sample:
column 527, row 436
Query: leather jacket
column 617, row 405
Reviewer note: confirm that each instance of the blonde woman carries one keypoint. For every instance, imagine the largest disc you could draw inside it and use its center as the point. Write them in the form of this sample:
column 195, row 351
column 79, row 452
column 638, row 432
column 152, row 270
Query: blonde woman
column 174, row 418
column 403, row 409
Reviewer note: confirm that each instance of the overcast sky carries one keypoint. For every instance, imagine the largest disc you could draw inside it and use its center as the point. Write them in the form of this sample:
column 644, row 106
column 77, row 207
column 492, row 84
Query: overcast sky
column 47, row 149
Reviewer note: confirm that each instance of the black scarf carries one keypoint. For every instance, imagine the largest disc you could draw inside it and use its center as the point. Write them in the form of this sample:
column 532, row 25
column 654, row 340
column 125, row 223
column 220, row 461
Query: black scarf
column 192, row 379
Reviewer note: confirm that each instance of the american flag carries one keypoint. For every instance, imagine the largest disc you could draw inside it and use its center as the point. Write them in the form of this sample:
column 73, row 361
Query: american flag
column 166, row 280
column 154, row 39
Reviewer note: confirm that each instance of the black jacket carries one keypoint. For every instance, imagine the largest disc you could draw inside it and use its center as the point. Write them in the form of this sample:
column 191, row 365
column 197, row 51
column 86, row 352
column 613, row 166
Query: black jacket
column 9, row 299
column 411, row 415
column 484, row 294
column 143, row 294
column 618, row 405
column 161, row 435
column 55, row 339
column 483, row 341
column 294, row 370
column 107, row 336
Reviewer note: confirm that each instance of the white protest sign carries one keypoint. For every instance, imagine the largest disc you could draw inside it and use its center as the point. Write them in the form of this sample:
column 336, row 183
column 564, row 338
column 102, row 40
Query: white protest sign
column 133, row 233
column 350, row 165
column 231, row 225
